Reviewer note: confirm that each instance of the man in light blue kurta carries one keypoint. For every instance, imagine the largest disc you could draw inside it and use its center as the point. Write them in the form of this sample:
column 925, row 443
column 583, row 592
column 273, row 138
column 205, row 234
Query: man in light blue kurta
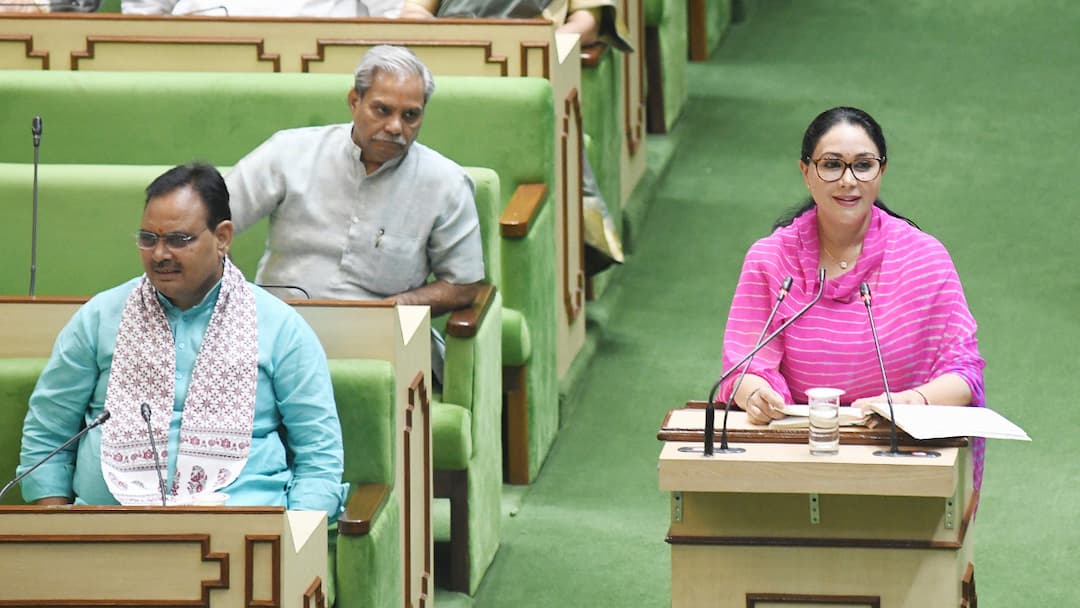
column 295, row 458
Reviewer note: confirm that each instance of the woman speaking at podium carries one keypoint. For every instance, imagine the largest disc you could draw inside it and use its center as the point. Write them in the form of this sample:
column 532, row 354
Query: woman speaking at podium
column 926, row 331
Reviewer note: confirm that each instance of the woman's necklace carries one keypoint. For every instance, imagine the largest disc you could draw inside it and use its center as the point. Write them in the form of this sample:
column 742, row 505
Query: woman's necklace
column 841, row 263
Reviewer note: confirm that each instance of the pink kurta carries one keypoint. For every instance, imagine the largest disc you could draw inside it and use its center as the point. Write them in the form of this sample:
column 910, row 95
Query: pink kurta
column 921, row 315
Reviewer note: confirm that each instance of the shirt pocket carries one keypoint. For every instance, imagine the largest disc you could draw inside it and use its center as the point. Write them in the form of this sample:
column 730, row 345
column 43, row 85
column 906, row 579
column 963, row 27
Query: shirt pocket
column 388, row 263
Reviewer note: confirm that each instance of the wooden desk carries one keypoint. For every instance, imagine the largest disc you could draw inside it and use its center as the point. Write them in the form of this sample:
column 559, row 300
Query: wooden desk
column 776, row 527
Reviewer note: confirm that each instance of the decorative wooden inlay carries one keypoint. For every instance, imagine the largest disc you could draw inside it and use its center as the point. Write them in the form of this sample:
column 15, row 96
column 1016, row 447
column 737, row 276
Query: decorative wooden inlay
column 418, row 398
column 767, row 599
column 573, row 279
column 313, row 595
column 968, row 597
column 203, row 540
column 93, row 41
column 544, row 52
column 250, row 540
column 28, row 42
column 323, row 43
column 634, row 113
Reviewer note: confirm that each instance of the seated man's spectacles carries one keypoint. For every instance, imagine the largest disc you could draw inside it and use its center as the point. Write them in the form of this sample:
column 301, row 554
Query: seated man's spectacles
column 147, row 240
column 863, row 169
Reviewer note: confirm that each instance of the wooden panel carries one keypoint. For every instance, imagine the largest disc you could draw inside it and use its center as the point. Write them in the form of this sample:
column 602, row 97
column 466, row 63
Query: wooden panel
column 175, row 53
column 17, row 53
column 69, row 553
column 443, row 57
column 262, row 571
column 791, row 600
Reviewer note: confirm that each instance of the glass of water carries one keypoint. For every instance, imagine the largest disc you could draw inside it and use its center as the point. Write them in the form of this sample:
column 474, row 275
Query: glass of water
column 824, row 420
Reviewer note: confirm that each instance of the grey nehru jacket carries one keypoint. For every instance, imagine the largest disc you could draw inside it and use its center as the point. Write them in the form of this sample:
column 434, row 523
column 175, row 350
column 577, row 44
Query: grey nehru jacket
column 342, row 234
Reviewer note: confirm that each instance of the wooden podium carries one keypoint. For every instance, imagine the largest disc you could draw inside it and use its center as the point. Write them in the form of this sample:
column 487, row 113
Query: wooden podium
column 153, row 556
column 775, row 527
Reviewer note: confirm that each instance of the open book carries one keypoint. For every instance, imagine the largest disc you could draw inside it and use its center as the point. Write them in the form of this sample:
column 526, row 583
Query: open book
column 798, row 417
column 938, row 421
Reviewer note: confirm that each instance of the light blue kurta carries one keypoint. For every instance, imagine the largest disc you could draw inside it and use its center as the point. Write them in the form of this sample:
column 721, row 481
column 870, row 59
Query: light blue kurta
column 293, row 392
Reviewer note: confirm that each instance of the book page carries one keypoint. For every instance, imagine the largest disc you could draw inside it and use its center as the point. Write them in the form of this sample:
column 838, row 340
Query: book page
column 798, row 417
column 940, row 421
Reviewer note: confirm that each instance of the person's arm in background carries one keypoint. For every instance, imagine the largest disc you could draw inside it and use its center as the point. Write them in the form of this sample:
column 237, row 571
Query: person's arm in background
column 309, row 414
column 585, row 23
column 419, row 9
column 57, row 410
column 147, row 7
column 256, row 186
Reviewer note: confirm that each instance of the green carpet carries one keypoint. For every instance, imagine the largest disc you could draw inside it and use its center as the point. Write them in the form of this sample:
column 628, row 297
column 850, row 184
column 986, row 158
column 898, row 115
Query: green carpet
column 978, row 101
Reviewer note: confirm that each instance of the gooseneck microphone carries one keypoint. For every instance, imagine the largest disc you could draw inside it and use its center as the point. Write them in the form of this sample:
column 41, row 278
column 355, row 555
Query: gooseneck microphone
column 35, row 128
column 145, row 407
column 894, row 442
column 710, row 406
column 784, row 289
column 96, row 422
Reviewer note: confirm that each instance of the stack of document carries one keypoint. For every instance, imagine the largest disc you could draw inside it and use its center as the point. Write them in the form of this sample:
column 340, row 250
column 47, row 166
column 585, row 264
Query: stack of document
column 939, row 421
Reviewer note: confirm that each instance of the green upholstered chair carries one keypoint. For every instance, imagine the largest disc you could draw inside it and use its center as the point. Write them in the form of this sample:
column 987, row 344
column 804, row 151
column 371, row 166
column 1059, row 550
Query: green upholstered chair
column 368, row 545
column 665, row 63
column 524, row 162
column 366, row 561
column 707, row 22
column 17, row 380
column 508, row 125
column 466, row 418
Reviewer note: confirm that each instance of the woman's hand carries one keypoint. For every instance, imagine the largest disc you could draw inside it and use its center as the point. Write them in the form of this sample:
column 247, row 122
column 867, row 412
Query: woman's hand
column 910, row 397
column 763, row 404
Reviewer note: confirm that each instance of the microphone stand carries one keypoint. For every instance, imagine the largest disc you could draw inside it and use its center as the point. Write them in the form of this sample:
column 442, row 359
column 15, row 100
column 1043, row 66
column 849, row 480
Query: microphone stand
column 35, row 128
column 145, row 408
column 894, row 441
column 97, row 421
column 710, row 407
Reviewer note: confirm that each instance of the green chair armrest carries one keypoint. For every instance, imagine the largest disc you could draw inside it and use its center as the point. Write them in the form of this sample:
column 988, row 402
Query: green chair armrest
column 363, row 507
column 592, row 55
column 524, row 205
column 465, row 323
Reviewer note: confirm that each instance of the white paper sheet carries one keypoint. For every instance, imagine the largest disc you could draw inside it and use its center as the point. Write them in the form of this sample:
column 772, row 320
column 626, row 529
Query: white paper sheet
column 939, row 421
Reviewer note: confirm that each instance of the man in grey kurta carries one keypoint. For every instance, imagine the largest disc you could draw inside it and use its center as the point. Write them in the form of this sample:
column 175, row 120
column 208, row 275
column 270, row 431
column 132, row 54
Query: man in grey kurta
column 359, row 210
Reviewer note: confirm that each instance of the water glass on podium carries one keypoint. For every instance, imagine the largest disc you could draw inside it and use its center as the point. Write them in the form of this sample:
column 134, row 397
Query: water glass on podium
column 824, row 405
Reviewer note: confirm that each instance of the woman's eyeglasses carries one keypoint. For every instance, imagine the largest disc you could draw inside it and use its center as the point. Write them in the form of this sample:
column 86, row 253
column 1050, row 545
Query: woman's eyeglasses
column 864, row 169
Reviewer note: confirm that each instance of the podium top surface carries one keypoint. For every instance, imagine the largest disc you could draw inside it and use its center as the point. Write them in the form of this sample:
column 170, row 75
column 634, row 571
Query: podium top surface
column 782, row 465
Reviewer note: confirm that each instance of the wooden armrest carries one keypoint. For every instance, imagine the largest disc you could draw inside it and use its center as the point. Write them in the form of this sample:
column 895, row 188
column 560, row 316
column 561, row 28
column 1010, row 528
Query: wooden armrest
column 522, row 208
column 592, row 54
column 362, row 508
column 465, row 323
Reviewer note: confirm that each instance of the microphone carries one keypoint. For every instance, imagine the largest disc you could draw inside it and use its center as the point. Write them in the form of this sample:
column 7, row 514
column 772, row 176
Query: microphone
column 784, row 289
column 35, row 128
column 710, row 407
column 894, row 447
column 269, row 286
column 96, row 422
column 145, row 407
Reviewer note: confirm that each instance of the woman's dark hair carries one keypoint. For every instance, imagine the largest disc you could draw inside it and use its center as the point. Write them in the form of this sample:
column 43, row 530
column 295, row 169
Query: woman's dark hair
column 204, row 179
column 821, row 125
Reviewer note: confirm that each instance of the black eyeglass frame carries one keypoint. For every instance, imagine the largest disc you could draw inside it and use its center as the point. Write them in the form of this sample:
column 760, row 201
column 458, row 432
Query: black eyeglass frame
column 847, row 167
column 173, row 240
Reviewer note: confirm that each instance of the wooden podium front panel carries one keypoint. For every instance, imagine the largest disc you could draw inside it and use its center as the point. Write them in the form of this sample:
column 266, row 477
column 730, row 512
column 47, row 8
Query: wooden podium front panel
column 779, row 577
